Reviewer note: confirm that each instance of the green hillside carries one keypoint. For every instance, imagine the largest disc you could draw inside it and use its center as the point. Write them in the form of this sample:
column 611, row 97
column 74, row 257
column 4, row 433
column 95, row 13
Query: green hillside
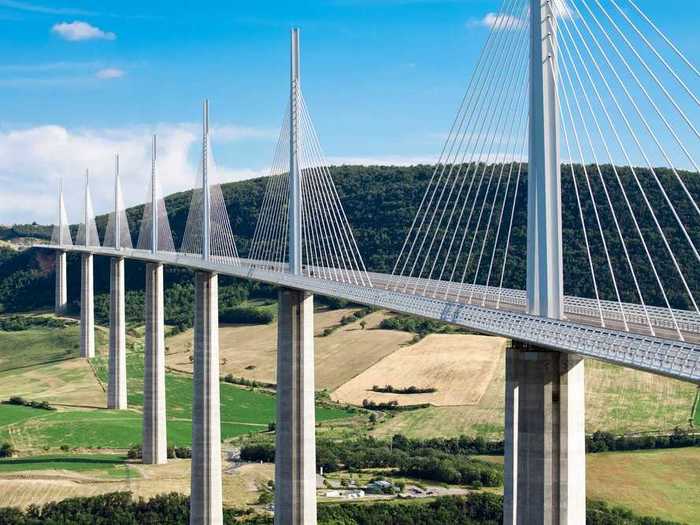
column 381, row 201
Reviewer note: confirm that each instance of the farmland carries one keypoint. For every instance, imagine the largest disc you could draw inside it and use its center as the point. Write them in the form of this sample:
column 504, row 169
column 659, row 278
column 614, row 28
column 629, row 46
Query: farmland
column 79, row 449
column 77, row 388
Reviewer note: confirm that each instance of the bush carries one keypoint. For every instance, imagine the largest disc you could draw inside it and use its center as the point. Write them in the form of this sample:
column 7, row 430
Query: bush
column 257, row 452
column 135, row 452
column 183, row 452
column 19, row 401
column 479, row 508
column 388, row 389
column 392, row 405
column 18, row 323
column 606, row 441
column 419, row 326
column 245, row 315
column 230, row 378
column 7, row 450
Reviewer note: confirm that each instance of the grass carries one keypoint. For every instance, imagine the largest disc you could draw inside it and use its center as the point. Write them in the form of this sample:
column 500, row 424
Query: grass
column 12, row 415
column 250, row 351
column 38, row 346
column 242, row 410
column 663, row 483
column 48, row 370
column 110, row 464
column 618, row 400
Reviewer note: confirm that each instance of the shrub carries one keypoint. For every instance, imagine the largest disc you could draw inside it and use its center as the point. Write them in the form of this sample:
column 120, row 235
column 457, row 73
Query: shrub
column 230, row 378
column 7, row 450
column 245, row 315
column 20, row 401
column 135, row 452
column 388, row 389
column 183, row 452
column 264, row 452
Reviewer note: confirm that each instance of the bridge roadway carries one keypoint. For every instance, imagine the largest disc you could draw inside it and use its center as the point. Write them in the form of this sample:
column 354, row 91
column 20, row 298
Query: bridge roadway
column 475, row 308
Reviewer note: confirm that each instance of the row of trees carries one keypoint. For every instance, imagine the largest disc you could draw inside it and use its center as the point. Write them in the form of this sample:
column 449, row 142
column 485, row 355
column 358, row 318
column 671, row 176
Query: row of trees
column 425, row 463
column 419, row 326
column 370, row 452
column 18, row 323
column 20, row 401
column 136, row 452
column 606, row 441
column 390, row 389
column 120, row 508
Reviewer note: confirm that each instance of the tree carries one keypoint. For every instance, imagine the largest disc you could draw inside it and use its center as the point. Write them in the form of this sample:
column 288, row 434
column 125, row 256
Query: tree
column 7, row 450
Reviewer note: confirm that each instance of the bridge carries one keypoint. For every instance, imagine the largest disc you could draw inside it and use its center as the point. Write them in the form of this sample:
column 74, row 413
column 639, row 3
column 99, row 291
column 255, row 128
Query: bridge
column 573, row 94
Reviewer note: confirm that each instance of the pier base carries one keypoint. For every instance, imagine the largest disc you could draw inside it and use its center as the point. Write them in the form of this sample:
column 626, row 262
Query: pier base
column 61, row 297
column 545, row 462
column 205, row 499
column 116, row 385
column 155, row 447
column 295, row 451
column 87, row 307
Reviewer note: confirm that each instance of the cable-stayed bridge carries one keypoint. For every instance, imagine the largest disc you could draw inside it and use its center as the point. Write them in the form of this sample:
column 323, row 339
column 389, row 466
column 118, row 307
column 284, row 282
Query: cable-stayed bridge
column 571, row 109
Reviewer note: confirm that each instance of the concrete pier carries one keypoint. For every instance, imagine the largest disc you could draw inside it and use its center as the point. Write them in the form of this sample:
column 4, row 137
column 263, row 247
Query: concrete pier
column 545, row 470
column 205, row 499
column 510, row 442
column 116, row 385
column 154, row 426
column 87, row 307
column 295, row 456
column 61, row 297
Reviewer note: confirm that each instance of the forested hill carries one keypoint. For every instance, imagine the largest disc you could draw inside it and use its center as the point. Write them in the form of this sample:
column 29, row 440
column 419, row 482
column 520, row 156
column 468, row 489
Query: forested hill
column 381, row 201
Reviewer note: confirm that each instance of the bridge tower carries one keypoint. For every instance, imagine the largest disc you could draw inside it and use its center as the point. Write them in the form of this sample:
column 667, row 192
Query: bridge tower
column 295, row 457
column 87, row 295
column 154, row 422
column 545, row 404
column 61, row 268
column 206, row 490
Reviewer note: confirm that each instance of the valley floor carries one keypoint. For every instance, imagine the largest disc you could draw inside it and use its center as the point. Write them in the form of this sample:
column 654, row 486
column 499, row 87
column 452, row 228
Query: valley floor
column 79, row 449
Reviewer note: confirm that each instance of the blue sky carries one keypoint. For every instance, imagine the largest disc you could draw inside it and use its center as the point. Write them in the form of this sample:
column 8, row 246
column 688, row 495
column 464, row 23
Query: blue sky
column 382, row 79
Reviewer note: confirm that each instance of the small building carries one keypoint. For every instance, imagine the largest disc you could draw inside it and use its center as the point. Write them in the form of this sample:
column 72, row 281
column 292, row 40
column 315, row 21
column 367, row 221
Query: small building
column 379, row 486
column 355, row 494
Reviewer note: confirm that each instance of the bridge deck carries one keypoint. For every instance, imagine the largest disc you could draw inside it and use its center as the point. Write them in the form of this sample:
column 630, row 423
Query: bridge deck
column 580, row 333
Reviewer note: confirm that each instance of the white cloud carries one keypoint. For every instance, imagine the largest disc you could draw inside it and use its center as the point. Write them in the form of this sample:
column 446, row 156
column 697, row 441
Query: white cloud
column 110, row 73
column 77, row 31
column 562, row 9
column 491, row 20
column 32, row 160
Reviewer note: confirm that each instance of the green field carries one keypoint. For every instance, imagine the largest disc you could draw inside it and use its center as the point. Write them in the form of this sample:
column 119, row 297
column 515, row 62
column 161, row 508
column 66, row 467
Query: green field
column 663, row 483
column 36, row 346
column 111, row 464
column 50, row 371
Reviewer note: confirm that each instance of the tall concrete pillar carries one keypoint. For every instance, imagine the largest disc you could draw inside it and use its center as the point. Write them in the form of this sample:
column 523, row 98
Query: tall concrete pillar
column 87, row 307
column 545, row 438
column 116, row 385
column 205, row 499
column 155, row 448
column 510, row 467
column 61, row 297
column 295, row 451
